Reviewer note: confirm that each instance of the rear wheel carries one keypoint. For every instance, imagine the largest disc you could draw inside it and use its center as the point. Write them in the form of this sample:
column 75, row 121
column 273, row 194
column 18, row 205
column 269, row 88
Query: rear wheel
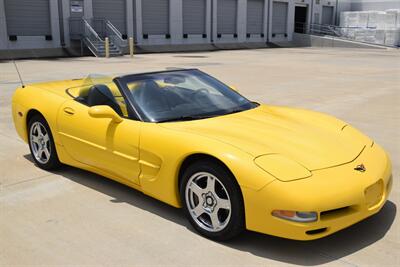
column 41, row 144
column 212, row 200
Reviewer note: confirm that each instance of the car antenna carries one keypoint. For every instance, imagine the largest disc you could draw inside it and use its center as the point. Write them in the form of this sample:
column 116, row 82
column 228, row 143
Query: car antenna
column 19, row 75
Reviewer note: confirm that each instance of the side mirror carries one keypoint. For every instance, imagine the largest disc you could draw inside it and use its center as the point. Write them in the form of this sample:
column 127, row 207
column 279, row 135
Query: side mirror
column 104, row 111
column 233, row 88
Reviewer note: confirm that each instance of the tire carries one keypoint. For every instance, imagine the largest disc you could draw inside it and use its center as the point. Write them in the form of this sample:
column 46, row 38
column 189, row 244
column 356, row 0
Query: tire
column 41, row 144
column 218, row 214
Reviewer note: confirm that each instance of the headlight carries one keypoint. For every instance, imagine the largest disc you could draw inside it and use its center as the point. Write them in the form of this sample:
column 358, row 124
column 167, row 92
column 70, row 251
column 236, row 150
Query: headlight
column 282, row 167
column 296, row 216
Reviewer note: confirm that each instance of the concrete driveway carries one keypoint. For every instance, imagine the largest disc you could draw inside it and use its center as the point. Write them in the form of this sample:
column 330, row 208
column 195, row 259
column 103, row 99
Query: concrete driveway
column 72, row 217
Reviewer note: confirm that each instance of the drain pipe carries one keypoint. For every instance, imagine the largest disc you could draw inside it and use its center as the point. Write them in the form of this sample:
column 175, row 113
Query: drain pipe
column 268, row 19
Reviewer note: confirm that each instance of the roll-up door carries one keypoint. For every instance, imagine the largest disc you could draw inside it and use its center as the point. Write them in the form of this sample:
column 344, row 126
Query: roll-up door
column 226, row 16
column 255, row 16
column 155, row 17
column 28, row 17
column 327, row 15
column 279, row 17
column 194, row 16
column 112, row 10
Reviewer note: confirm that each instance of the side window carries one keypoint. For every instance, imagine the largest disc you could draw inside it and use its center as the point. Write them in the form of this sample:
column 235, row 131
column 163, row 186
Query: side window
column 101, row 94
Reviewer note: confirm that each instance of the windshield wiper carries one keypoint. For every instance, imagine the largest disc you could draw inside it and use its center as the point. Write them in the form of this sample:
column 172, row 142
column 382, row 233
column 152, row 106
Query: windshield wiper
column 186, row 118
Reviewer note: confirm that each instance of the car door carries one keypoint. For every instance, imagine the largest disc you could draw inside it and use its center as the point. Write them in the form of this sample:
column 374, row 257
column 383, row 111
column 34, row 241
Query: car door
column 100, row 142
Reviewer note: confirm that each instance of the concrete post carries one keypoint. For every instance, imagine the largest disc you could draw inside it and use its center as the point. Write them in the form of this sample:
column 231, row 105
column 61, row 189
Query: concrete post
column 131, row 46
column 241, row 22
column 3, row 27
column 175, row 21
column 107, row 47
column 139, row 32
column 88, row 9
column 54, row 23
column 130, row 23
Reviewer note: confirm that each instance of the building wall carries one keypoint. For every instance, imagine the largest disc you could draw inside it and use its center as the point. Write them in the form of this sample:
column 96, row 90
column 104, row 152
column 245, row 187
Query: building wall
column 31, row 42
column 376, row 5
column 60, row 11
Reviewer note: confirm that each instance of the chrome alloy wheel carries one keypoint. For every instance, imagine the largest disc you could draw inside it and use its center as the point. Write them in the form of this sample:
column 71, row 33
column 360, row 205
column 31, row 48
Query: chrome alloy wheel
column 208, row 201
column 40, row 142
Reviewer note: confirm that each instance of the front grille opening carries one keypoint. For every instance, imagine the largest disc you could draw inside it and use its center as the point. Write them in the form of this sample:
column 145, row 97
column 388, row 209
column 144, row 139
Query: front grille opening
column 335, row 212
column 316, row 231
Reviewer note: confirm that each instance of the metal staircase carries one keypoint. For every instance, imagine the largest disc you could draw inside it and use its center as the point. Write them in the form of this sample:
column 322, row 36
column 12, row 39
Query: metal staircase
column 95, row 40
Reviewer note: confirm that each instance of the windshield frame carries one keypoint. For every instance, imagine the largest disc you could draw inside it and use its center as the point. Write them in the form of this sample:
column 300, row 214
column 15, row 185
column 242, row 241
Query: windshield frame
column 123, row 81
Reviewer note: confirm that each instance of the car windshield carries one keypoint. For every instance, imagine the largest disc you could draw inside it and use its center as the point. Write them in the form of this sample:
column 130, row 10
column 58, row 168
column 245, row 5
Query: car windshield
column 181, row 95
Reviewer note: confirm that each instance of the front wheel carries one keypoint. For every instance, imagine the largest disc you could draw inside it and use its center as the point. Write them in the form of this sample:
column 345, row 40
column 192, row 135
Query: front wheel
column 41, row 144
column 212, row 200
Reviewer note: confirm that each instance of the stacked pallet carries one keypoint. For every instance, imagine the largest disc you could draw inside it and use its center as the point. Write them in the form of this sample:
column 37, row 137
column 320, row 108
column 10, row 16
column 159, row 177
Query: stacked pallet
column 378, row 27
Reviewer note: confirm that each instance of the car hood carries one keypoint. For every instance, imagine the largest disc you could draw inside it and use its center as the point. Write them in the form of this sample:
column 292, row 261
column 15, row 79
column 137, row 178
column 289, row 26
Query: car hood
column 313, row 139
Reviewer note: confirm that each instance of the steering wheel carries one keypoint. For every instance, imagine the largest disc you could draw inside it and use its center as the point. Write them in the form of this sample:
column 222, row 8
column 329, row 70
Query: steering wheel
column 201, row 91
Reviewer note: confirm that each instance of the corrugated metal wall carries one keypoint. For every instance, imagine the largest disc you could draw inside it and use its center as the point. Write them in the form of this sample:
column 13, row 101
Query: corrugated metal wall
column 194, row 16
column 28, row 17
column 327, row 15
column 155, row 17
column 112, row 10
column 255, row 16
column 226, row 16
column 279, row 17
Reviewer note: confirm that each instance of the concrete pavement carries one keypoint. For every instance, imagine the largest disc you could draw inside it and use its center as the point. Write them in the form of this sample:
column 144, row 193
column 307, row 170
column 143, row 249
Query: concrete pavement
column 72, row 217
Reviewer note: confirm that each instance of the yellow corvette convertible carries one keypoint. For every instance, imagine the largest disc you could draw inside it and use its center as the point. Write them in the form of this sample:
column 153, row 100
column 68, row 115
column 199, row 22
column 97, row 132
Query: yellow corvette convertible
column 187, row 139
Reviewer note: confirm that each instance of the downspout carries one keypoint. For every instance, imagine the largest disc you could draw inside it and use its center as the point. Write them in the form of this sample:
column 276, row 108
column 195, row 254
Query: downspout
column 267, row 18
column 61, row 23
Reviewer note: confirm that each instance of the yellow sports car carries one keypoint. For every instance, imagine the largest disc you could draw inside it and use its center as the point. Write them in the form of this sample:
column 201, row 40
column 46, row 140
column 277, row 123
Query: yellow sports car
column 187, row 139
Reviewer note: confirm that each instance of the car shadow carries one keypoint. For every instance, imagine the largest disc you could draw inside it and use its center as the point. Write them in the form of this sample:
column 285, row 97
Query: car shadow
column 315, row 252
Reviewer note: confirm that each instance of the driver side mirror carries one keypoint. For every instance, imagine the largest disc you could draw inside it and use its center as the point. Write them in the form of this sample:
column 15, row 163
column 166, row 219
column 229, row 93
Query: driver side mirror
column 104, row 111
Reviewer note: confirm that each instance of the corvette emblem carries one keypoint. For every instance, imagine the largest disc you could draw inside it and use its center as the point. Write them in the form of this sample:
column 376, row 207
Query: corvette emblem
column 360, row 168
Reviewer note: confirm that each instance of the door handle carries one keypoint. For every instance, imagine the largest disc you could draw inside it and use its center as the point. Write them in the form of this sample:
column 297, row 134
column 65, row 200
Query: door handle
column 69, row 111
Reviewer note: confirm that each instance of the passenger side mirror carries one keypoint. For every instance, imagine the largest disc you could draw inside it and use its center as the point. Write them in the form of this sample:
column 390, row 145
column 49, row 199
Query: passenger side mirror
column 104, row 112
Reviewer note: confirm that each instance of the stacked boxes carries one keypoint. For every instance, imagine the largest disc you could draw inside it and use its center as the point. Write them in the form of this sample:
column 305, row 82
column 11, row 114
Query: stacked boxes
column 378, row 27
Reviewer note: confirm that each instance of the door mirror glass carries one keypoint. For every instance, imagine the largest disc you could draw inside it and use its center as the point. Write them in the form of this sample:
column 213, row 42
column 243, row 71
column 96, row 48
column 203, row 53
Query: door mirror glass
column 104, row 112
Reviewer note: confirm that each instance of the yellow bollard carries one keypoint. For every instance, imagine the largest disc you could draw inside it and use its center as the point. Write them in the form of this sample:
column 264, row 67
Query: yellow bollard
column 107, row 47
column 131, row 46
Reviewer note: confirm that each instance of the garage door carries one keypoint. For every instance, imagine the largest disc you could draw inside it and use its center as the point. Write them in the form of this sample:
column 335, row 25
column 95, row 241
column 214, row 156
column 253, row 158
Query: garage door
column 279, row 17
column 155, row 17
column 226, row 16
column 114, row 11
column 255, row 16
column 194, row 16
column 27, row 17
column 327, row 15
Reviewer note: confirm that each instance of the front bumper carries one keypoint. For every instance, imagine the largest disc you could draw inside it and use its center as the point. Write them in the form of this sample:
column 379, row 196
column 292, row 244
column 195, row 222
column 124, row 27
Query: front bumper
column 340, row 195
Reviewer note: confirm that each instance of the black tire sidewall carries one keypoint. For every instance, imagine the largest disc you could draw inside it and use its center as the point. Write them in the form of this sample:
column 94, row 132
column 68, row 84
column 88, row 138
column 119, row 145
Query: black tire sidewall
column 53, row 162
column 237, row 222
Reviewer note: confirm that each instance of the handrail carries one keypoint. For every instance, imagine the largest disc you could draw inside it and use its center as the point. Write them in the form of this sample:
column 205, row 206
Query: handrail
column 90, row 37
column 347, row 33
column 115, row 35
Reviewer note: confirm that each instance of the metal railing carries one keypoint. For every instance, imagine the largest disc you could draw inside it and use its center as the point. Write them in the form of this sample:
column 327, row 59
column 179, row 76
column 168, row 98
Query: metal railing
column 91, row 38
column 115, row 36
column 367, row 35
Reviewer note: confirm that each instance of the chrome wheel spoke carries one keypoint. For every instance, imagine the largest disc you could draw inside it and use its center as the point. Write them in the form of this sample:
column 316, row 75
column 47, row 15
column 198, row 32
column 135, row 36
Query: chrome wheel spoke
column 198, row 210
column 47, row 153
column 46, row 138
column 223, row 204
column 214, row 220
column 197, row 190
column 210, row 184
column 35, row 139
